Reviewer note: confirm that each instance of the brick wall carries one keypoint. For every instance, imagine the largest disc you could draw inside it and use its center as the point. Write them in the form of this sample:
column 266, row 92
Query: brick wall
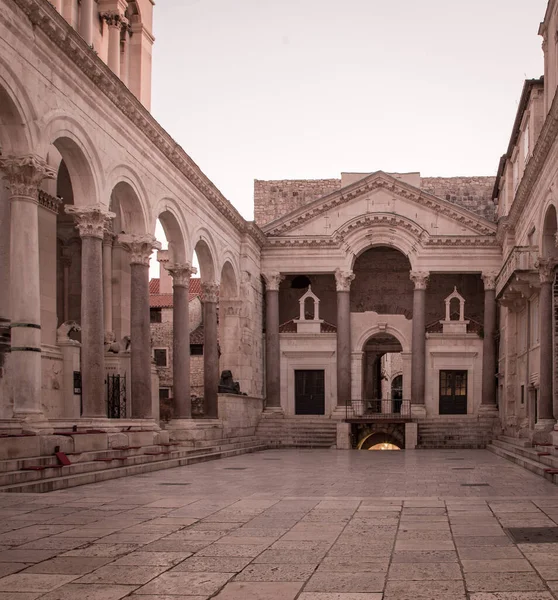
column 275, row 198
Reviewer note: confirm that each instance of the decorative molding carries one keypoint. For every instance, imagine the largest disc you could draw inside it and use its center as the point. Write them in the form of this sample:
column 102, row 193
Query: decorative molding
column 272, row 280
column 45, row 17
column 91, row 221
column 50, row 203
column 343, row 280
column 140, row 247
column 114, row 18
column 180, row 273
column 489, row 279
column 210, row 291
column 373, row 182
column 24, row 174
column 547, row 269
column 420, row 279
column 109, row 237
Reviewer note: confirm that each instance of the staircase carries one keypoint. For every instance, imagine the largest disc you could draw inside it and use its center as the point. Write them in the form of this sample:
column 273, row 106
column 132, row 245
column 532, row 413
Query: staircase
column 455, row 433
column 541, row 460
column 280, row 431
column 44, row 473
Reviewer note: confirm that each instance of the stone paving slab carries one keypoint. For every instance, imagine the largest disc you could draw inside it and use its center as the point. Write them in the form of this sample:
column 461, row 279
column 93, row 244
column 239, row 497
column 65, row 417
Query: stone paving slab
column 309, row 525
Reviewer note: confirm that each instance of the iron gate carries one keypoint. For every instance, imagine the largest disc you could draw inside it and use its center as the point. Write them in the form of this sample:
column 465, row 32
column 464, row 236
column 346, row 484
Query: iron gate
column 116, row 396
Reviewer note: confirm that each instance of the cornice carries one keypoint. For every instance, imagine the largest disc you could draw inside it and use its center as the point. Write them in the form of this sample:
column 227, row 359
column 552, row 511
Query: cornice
column 45, row 17
column 536, row 163
column 373, row 182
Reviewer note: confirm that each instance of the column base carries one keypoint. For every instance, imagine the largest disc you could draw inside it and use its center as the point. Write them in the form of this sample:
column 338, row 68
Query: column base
column 273, row 411
column 545, row 425
column 488, row 410
column 33, row 422
column 418, row 411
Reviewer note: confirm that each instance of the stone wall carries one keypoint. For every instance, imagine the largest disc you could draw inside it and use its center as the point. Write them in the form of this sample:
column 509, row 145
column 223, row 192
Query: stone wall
column 275, row 198
column 161, row 337
column 196, row 375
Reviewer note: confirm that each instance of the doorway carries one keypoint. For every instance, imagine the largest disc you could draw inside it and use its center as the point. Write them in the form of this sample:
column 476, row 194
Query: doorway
column 453, row 392
column 310, row 392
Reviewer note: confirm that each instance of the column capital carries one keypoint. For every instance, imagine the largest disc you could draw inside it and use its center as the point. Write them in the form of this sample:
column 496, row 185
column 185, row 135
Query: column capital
column 180, row 273
column 547, row 268
column 114, row 18
column 24, row 174
column 343, row 280
column 91, row 221
column 272, row 280
column 210, row 291
column 420, row 279
column 489, row 279
column 109, row 237
column 140, row 247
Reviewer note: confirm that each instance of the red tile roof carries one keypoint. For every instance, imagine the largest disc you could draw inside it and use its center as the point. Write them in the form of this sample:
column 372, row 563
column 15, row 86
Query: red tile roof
column 157, row 300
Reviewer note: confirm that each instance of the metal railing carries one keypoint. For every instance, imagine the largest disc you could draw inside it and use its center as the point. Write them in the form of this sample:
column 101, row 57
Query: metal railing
column 379, row 410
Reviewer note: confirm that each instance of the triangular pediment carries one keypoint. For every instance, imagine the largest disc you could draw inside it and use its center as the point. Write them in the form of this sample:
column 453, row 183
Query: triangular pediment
column 380, row 192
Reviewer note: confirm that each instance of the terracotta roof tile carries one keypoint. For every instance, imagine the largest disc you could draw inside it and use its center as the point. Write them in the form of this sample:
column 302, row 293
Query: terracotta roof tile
column 157, row 300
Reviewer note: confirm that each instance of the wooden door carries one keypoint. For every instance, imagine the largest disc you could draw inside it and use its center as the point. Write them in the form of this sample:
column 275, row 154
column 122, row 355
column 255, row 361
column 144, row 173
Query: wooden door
column 310, row 392
column 453, row 392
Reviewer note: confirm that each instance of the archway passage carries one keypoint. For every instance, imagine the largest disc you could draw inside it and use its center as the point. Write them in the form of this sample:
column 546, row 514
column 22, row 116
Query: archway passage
column 379, row 440
column 382, row 379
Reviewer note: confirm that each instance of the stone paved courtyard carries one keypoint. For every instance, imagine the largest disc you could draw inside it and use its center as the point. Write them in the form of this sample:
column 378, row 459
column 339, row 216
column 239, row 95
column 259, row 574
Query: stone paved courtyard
column 289, row 524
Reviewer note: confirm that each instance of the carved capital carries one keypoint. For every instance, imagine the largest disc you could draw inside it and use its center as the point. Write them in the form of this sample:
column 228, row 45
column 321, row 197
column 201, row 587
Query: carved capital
column 489, row 280
column 547, row 269
column 114, row 18
column 180, row 273
column 109, row 237
column 24, row 174
column 140, row 247
column 210, row 291
column 343, row 280
column 91, row 221
column 272, row 280
column 420, row 279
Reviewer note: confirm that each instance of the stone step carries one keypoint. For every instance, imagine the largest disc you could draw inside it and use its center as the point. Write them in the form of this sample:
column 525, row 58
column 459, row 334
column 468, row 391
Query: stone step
column 146, row 464
column 535, row 466
column 515, row 441
column 551, row 462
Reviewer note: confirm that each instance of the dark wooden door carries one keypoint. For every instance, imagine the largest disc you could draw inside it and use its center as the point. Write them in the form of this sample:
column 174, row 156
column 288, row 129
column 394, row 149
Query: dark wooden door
column 453, row 392
column 309, row 392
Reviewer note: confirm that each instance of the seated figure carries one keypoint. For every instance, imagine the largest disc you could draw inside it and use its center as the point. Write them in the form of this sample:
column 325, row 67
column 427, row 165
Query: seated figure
column 227, row 385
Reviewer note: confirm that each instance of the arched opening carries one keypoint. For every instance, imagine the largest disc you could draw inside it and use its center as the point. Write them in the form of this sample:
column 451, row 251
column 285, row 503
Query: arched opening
column 397, row 387
column 382, row 282
column 550, row 227
column 382, row 360
column 229, row 322
column 379, row 440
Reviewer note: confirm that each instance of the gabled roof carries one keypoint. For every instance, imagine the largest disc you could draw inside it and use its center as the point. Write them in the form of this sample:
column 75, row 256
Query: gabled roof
column 370, row 183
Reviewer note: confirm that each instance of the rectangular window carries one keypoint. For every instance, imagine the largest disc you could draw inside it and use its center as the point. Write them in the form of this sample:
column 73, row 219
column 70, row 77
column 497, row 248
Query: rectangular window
column 164, row 393
column 160, row 357
column 155, row 315
column 196, row 349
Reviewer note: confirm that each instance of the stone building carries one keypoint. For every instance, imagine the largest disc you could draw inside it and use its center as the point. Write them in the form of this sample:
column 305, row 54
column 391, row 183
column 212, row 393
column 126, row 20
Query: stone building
column 445, row 284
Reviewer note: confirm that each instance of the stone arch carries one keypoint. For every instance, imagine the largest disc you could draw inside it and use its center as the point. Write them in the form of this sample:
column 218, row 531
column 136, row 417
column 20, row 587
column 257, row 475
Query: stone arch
column 378, row 432
column 138, row 195
column 175, row 231
column 126, row 204
column 17, row 117
column 205, row 249
column 549, row 230
column 229, row 279
column 361, row 341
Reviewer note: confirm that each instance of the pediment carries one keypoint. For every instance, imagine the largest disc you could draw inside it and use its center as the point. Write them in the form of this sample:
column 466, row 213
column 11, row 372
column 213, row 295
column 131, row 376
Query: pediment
column 380, row 193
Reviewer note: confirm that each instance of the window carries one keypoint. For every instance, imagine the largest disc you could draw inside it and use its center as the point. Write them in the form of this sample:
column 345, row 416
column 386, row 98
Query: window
column 196, row 349
column 155, row 315
column 160, row 356
column 164, row 393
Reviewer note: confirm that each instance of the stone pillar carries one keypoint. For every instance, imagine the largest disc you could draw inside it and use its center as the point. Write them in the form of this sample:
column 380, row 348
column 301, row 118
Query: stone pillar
column 108, row 240
column 272, row 348
column 66, row 262
column 91, row 222
column 86, row 17
column 210, row 291
column 489, row 344
column 343, row 281
column 140, row 248
column 114, row 21
column 418, row 358
column 23, row 175
column 545, row 409
column 125, row 54
column 181, row 274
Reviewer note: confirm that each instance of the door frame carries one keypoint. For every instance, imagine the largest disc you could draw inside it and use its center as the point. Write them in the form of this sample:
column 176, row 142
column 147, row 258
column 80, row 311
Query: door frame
column 454, row 371
column 323, row 402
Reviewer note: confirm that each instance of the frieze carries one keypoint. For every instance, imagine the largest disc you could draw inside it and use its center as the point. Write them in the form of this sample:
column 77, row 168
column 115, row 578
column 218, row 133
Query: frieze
column 45, row 17
column 393, row 187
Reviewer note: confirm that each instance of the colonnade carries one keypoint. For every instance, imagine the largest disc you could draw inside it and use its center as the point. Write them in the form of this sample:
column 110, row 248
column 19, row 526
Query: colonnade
column 343, row 281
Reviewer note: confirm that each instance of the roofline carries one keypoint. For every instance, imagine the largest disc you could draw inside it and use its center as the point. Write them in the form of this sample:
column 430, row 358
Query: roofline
column 528, row 86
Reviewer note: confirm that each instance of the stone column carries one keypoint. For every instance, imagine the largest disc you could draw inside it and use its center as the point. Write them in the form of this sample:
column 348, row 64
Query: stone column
column 210, row 292
column 181, row 274
column 545, row 409
column 23, row 175
column 66, row 263
column 489, row 344
column 140, row 248
column 114, row 21
column 91, row 222
column 272, row 348
column 86, row 19
column 108, row 241
column 343, row 281
column 418, row 359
